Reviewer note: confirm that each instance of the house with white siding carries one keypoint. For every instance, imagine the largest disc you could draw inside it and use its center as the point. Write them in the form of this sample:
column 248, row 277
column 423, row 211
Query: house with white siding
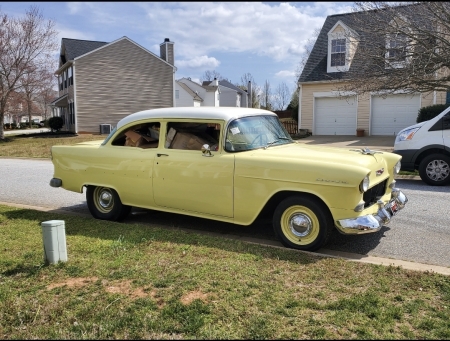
column 185, row 96
column 210, row 94
column 100, row 82
column 231, row 95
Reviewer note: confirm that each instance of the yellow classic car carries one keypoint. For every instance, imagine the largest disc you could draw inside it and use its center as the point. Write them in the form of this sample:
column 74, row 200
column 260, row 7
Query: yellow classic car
column 232, row 165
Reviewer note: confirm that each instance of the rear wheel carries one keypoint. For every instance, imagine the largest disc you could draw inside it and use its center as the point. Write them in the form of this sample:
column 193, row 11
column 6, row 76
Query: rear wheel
column 435, row 170
column 104, row 203
column 302, row 223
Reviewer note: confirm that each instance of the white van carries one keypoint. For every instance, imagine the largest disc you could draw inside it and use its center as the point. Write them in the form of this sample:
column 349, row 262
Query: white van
column 425, row 147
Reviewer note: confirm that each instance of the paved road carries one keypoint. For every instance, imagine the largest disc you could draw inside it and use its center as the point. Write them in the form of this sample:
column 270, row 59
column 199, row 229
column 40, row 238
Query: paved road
column 419, row 233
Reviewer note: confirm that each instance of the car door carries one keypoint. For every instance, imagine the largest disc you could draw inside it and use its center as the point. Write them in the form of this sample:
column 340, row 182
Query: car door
column 186, row 179
column 446, row 130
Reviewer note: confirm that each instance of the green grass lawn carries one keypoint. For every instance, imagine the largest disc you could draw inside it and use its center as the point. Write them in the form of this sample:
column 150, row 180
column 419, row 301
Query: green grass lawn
column 131, row 281
column 38, row 146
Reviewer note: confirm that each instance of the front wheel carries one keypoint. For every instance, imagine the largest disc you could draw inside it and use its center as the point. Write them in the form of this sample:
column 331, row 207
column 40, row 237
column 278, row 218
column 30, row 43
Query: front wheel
column 302, row 223
column 435, row 170
column 104, row 203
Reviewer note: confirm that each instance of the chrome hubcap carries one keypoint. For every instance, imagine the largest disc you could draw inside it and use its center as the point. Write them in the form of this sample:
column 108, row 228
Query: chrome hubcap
column 105, row 199
column 300, row 225
column 438, row 170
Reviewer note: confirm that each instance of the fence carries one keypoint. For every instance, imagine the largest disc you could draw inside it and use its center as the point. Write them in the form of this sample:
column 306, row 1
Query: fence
column 291, row 126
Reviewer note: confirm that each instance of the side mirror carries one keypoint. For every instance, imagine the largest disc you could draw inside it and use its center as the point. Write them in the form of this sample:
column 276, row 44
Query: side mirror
column 206, row 150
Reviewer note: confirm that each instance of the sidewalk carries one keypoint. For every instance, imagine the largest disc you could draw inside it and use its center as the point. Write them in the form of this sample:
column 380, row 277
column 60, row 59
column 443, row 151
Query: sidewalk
column 25, row 131
column 382, row 143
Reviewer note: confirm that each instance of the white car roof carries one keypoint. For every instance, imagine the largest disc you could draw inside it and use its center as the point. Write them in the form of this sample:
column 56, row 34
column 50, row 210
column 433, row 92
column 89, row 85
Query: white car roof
column 217, row 113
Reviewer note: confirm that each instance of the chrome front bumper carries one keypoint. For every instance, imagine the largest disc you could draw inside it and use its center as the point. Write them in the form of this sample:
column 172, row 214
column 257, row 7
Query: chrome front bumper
column 373, row 223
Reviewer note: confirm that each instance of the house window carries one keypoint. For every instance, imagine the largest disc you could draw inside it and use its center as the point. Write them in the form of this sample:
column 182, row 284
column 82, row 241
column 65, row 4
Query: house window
column 60, row 82
column 65, row 79
column 177, row 94
column 396, row 48
column 70, row 76
column 338, row 52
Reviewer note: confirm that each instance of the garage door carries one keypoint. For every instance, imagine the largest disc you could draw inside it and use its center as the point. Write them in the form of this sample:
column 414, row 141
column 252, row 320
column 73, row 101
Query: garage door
column 393, row 113
column 335, row 116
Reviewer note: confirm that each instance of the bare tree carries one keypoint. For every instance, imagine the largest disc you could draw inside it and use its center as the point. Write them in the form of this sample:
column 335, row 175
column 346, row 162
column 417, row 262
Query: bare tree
column 266, row 95
column 26, row 45
column 245, row 78
column 281, row 96
column 46, row 95
column 399, row 46
column 305, row 55
column 211, row 75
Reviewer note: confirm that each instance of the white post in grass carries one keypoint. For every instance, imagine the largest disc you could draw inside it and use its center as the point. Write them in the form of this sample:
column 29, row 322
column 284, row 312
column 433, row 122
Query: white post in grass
column 54, row 238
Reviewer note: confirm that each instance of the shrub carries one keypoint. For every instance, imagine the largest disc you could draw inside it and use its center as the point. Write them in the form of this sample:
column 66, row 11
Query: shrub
column 55, row 123
column 427, row 113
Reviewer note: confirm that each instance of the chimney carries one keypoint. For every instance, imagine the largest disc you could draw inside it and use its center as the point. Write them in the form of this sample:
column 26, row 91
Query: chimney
column 249, row 89
column 167, row 52
column 215, row 82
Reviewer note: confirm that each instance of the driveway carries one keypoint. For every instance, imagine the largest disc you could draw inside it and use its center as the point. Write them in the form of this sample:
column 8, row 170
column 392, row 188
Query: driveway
column 383, row 143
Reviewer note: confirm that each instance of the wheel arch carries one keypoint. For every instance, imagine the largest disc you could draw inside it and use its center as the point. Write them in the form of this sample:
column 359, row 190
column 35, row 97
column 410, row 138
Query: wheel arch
column 270, row 206
column 432, row 149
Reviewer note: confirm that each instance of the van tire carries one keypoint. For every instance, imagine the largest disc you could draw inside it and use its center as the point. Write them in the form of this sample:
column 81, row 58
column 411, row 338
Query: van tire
column 435, row 170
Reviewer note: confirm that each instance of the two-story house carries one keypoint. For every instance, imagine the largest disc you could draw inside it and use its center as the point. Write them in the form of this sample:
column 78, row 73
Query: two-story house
column 100, row 83
column 232, row 96
column 324, row 111
column 200, row 95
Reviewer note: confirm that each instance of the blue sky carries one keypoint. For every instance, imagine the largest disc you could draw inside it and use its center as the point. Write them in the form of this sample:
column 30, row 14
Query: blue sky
column 265, row 39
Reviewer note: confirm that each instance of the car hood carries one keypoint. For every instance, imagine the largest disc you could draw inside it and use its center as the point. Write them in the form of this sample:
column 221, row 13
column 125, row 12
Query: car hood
column 349, row 165
column 324, row 154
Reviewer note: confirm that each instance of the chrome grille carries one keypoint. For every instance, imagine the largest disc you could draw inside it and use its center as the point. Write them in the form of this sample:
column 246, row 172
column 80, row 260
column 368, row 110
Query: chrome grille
column 374, row 193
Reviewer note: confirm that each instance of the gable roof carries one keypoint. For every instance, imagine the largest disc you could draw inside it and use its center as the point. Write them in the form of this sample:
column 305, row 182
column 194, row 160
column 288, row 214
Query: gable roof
column 316, row 66
column 191, row 92
column 73, row 48
column 227, row 84
column 80, row 48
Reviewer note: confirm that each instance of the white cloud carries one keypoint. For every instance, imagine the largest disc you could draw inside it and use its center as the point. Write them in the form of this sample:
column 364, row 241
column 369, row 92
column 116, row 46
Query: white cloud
column 285, row 74
column 64, row 32
column 275, row 30
column 201, row 62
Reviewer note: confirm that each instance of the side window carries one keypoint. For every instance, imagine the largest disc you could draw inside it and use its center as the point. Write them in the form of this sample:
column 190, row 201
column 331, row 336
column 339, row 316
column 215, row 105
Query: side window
column 192, row 135
column 144, row 135
column 446, row 122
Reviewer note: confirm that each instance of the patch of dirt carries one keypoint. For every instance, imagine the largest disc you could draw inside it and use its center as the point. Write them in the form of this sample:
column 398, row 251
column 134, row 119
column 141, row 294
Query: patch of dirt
column 193, row 295
column 125, row 288
column 73, row 283
column 113, row 287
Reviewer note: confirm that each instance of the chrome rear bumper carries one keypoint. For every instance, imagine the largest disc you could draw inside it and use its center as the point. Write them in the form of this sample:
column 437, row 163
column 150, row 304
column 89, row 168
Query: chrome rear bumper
column 373, row 223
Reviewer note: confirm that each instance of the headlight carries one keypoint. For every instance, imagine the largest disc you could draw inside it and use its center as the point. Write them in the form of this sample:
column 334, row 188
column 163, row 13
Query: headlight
column 406, row 134
column 397, row 167
column 364, row 185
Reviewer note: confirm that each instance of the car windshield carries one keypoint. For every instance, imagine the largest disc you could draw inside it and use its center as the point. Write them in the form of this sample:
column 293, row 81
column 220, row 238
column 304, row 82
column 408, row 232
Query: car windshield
column 253, row 132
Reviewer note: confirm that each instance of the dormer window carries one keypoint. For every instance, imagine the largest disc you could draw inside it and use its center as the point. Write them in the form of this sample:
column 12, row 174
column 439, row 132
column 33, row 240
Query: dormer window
column 342, row 42
column 338, row 52
column 396, row 48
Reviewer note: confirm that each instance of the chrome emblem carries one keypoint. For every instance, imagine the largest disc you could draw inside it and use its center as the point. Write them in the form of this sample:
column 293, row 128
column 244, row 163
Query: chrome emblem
column 379, row 171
